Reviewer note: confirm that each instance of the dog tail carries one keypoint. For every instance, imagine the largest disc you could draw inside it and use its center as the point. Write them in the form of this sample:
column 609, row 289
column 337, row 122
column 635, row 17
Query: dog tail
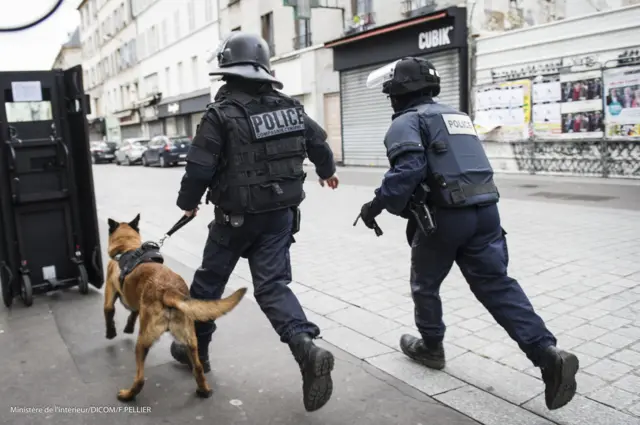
column 203, row 310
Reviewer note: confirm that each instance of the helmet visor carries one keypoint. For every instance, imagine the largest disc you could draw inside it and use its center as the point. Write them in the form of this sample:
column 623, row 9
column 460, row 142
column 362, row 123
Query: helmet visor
column 381, row 75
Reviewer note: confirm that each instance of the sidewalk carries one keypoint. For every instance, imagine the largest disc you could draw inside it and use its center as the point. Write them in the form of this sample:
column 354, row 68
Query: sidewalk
column 55, row 354
column 578, row 264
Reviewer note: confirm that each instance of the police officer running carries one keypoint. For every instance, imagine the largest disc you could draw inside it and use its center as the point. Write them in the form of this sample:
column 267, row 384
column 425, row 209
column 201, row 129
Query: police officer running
column 433, row 149
column 249, row 151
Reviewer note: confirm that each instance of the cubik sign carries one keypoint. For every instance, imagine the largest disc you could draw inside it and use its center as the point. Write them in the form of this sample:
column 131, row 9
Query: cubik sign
column 435, row 38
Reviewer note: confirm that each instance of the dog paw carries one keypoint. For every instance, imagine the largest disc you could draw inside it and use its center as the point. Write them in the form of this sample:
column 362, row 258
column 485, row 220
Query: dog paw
column 111, row 333
column 204, row 393
column 125, row 395
column 129, row 329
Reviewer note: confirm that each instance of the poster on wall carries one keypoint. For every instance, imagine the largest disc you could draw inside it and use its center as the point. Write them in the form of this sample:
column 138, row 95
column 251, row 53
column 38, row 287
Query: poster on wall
column 546, row 99
column 581, row 111
column 622, row 88
column 506, row 105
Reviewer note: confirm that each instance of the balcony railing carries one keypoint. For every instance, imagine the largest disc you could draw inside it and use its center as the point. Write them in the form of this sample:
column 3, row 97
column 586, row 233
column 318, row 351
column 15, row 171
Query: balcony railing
column 361, row 22
column 418, row 7
column 302, row 41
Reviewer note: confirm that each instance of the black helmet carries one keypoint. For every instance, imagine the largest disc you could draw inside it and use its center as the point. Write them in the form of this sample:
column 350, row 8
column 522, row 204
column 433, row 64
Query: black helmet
column 247, row 56
column 410, row 75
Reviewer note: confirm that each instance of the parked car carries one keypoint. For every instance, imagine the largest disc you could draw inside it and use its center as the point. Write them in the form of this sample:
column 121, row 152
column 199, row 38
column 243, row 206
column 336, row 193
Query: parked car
column 101, row 152
column 130, row 151
column 166, row 150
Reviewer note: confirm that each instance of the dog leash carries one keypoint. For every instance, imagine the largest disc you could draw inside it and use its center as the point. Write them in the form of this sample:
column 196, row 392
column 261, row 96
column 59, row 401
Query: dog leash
column 180, row 223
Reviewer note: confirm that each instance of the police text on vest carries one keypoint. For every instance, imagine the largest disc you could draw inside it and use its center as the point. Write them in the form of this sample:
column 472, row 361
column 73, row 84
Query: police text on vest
column 272, row 123
column 459, row 124
column 434, row 38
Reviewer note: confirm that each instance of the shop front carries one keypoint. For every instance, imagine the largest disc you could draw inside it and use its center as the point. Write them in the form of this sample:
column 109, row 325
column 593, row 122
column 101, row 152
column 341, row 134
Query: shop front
column 182, row 114
column 152, row 126
column 551, row 102
column 130, row 124
column 440, row 37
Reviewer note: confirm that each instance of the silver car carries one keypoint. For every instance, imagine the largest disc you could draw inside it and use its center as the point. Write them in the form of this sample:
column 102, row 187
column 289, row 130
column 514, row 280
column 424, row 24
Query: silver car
column 130, row 151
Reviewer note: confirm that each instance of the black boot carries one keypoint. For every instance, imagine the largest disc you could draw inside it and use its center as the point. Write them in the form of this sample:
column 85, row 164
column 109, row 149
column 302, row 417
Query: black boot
column 559, row 370
column 316, row 365
column 430, row 356
column 179, row 353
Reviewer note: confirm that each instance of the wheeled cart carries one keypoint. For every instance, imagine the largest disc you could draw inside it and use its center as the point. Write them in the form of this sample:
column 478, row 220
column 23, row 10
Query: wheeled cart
column 48, row 219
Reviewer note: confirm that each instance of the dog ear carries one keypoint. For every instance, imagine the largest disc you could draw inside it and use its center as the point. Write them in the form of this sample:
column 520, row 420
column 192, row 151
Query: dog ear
column 113, row 225
column 134, row 223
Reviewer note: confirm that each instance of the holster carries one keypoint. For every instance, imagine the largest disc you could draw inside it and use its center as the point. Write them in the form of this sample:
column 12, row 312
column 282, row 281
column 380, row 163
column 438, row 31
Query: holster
column 234, row 220
column 296, row 220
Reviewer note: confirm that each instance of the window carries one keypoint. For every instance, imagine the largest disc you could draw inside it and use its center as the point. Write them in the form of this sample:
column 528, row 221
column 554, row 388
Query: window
column 180, row 77
column 360, row 7
column 165, row 33
column 266, row 22
column 195, row 72
column 151, row 83
column 167, row 80
column 191, row 15
column 303, row 34
column 208, row 10
column 176, row 24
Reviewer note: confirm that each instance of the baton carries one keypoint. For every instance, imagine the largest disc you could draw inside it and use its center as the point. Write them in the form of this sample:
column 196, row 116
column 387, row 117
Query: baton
column 376, row 228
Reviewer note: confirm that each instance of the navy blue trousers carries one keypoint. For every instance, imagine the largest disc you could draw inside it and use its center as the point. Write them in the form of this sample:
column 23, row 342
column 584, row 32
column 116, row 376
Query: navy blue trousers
column 263, row 239
column 474, row 239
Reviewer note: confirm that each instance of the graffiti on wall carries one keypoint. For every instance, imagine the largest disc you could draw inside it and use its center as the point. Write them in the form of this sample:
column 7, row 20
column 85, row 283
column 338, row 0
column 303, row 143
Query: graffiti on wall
column 599, row 158
column 516, row 14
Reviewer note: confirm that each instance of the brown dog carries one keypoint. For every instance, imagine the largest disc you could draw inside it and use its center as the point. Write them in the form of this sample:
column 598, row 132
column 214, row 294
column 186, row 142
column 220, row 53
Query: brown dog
column 161, row 299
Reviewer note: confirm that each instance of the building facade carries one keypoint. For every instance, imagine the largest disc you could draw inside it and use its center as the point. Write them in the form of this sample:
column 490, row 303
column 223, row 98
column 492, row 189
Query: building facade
column 70, row 53
column 560, row 95
column 145, row 65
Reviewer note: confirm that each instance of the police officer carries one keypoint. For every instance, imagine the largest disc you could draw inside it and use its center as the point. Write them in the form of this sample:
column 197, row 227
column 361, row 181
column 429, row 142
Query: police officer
column 249, row 151
column 436, row 145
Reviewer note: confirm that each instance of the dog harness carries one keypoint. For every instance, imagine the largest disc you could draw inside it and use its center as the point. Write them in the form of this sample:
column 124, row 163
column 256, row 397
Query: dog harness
column 149, row 252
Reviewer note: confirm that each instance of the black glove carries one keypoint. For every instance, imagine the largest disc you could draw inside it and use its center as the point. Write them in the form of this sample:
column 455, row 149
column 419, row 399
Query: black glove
column 370, row 211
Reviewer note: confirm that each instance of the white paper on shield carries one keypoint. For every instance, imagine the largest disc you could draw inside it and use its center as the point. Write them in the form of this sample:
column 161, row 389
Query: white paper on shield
column 26, row 91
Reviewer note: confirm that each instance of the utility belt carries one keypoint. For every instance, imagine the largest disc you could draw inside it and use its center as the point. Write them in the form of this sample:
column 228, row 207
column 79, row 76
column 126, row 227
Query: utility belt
column 237, row 220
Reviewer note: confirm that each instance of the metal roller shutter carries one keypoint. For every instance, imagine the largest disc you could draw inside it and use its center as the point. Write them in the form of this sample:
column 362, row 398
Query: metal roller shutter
column 155, row 128
column 130, row 131
column 366, row 113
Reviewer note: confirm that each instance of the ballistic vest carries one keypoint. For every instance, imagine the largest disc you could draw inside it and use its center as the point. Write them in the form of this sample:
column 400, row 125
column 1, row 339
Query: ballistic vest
column 262, row 162
column 458, row 171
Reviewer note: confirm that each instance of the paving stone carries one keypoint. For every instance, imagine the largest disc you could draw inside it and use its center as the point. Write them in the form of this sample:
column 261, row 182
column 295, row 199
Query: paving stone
column 587, row 332
column 470, row 342
column 581, row 411
column 391, row 313
column 493, row 377
column 321, row 321
column 565, row 322
column 321, row 303
column 517, row 360
column 614, row 340
column 354, row 343
column 635, row 410
column 629, row 383
column 609, row 370
column 632, row 332
column 424, row 379
column 614, row 397
column 610, row 322
column 497, row 350
column 588, row 383
column 474, row 325
column 454, row 333
column 392, row 338
column 493, row 333
column 629, row 357
column 363, row 321
column 594, row 349
column 636, row 347
column 559, row 308
column 567, row 342
column 589, row 313
column 488, row 409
